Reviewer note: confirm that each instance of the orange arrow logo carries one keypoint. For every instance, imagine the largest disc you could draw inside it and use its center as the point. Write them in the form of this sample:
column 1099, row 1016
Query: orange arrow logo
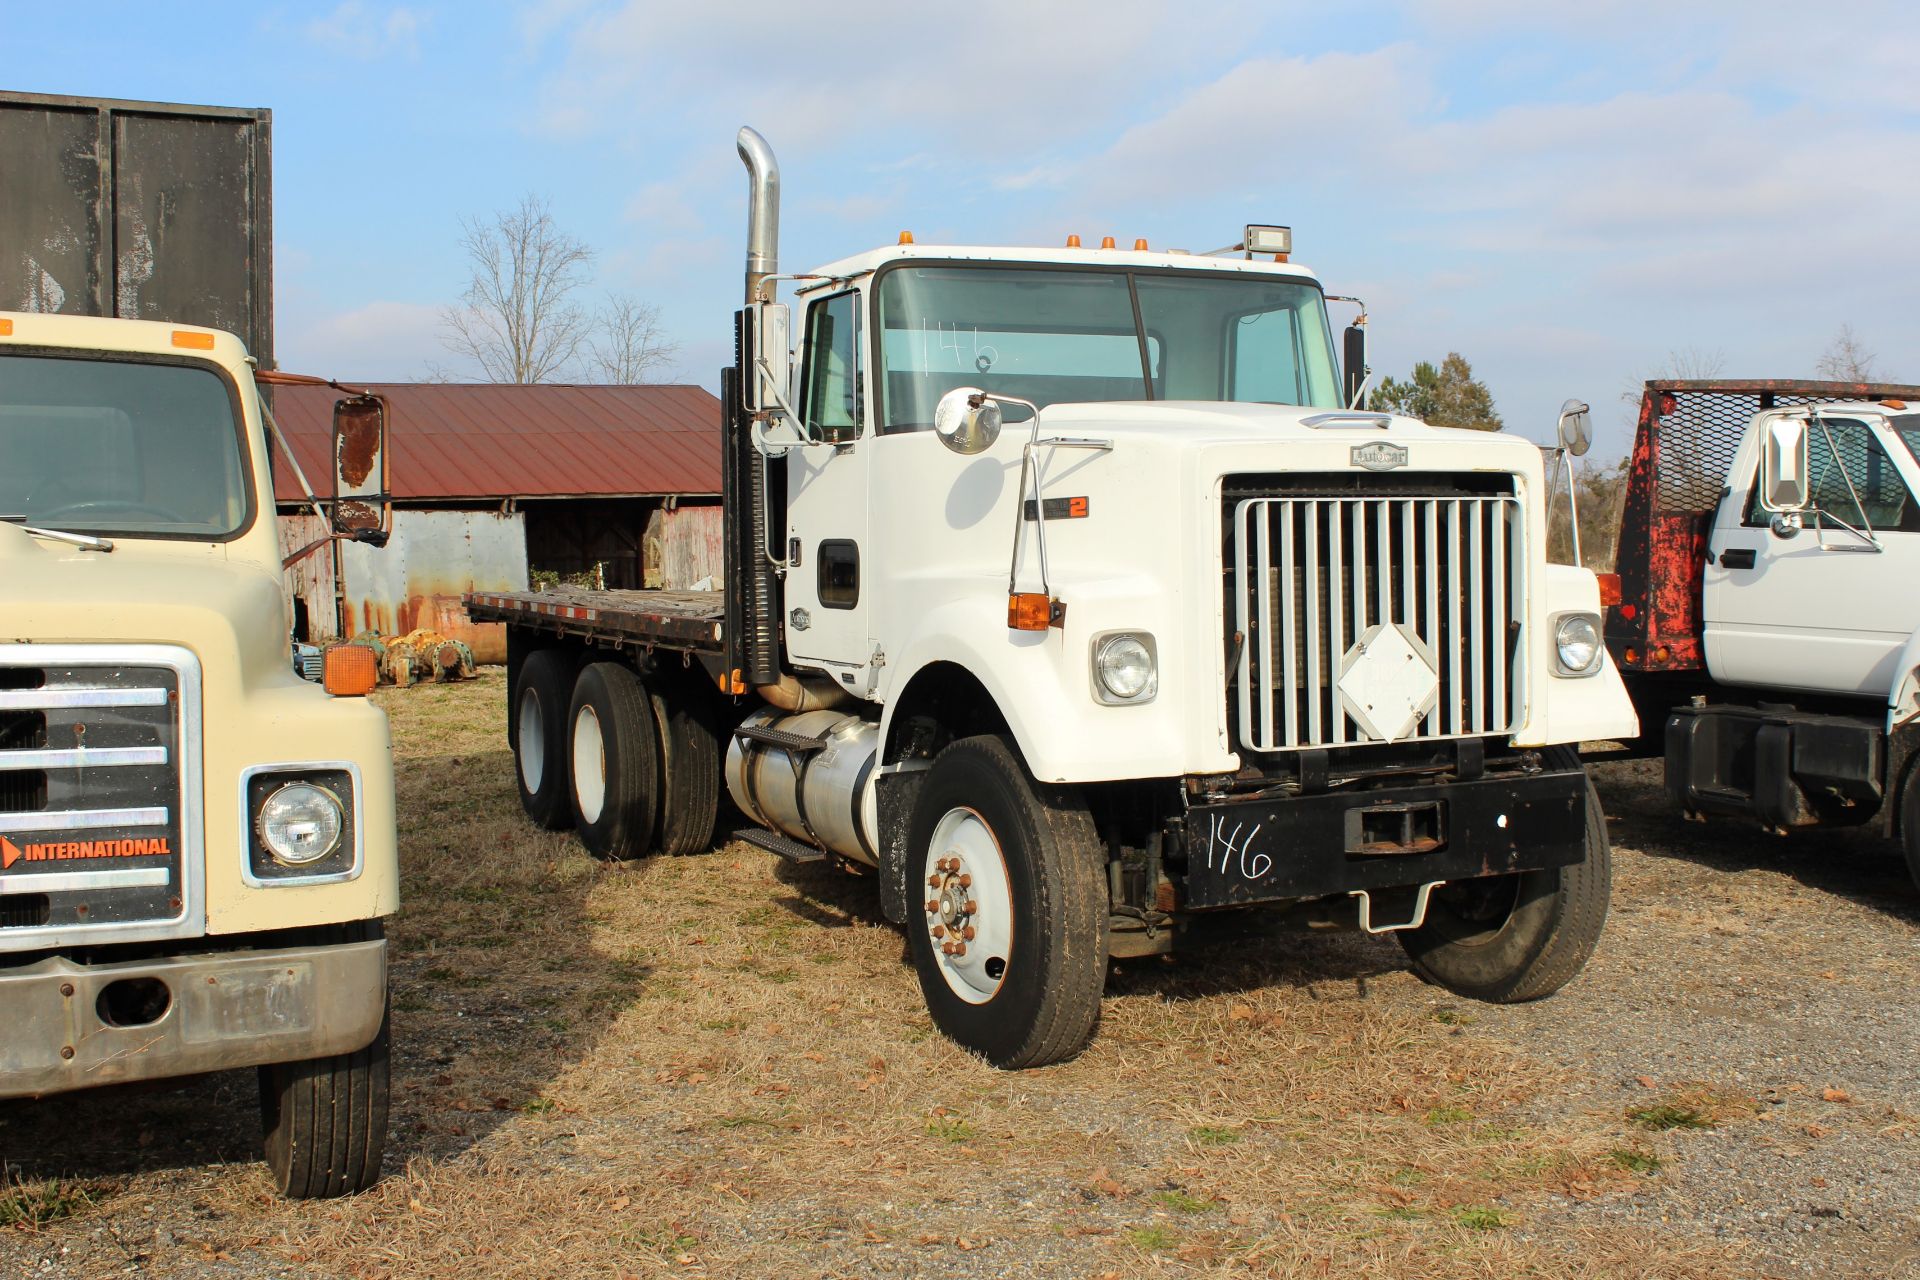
column 9, row 853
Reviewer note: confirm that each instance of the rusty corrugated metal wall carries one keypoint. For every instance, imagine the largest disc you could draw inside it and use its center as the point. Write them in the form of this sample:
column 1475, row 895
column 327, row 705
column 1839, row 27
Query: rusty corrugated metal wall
column 432, row 559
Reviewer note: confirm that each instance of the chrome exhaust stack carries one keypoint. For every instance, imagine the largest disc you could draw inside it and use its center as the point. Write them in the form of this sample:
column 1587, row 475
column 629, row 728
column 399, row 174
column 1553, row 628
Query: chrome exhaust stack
column 763, row 214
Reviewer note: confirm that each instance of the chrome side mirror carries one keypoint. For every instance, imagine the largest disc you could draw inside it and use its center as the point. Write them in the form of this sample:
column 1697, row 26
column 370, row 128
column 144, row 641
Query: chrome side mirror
column 966, row 421
column 1576, row 428
column 1784, row 469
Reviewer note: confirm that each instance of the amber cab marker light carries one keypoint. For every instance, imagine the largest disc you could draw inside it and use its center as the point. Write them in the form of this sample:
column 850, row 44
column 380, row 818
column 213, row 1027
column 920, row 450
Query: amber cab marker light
column 1106, row 242
column 195, row 341
column 906, row 237
column 1891, row 404
column 1609, row 589
column 6, row 328
column 1140, row 244
column 1028, row 611
column 1073, row 242
column 349, row 671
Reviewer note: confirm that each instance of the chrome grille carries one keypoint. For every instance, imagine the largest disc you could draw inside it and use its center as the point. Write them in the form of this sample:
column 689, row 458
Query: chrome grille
column 100, row 832
column 1310, row 575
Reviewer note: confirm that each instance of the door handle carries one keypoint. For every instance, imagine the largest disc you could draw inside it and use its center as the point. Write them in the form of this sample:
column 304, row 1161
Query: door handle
column 1737, row 558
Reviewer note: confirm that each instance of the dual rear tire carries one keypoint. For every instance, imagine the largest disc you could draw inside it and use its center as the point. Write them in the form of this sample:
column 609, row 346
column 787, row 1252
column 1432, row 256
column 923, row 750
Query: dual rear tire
column 632, row 769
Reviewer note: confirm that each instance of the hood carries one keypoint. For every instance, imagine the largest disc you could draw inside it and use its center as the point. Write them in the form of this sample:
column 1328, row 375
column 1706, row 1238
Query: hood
column 232, row 615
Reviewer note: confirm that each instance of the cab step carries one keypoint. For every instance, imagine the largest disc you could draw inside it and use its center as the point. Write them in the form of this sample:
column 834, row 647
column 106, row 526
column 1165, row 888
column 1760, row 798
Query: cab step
column 796, row 742
column 781, row 847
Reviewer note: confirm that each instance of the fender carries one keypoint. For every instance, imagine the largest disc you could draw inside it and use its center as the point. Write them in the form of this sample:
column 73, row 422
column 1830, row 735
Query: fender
column 1576, row 708
column 1903, row 702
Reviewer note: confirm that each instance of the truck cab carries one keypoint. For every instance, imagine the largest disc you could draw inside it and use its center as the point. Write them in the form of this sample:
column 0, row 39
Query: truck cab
column 196, row 845
column 1766, row 622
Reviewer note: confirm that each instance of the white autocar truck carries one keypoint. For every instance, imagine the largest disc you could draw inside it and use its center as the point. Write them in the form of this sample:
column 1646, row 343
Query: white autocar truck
column 196, row 845
column 1065, row 596
column 1767, row 618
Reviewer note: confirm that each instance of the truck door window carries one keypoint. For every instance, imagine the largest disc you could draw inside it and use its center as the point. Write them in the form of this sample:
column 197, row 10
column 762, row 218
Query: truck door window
column 1854, row 481
column 831, row 397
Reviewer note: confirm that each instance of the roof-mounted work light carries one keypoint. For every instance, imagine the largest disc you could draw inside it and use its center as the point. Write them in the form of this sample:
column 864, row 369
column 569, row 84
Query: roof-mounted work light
column 1268, row 240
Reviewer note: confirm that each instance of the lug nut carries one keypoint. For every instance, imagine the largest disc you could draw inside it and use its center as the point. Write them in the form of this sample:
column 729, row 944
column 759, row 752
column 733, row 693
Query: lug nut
column 939, row 931
column 933, row 905
column 970, row 907
column 933, row 882
column 966, row 882
column 967, row 933
column 959, row 948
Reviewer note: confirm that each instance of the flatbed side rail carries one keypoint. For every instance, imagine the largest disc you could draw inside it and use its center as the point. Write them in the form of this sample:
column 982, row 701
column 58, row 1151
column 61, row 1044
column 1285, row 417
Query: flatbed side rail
column 689, row 620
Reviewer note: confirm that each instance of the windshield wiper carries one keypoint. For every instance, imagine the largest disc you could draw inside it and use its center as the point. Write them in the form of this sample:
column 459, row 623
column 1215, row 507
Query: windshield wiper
column 85, row 541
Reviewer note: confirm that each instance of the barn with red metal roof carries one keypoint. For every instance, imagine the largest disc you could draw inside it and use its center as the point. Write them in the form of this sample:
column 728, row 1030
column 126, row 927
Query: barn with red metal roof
column 497, row 484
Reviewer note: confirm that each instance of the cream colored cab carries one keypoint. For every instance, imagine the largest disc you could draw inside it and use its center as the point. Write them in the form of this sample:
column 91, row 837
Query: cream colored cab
column 196, row 845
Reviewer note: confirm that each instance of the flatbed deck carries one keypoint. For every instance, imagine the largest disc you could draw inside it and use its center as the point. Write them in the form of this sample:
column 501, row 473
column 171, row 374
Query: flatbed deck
column 691, row 620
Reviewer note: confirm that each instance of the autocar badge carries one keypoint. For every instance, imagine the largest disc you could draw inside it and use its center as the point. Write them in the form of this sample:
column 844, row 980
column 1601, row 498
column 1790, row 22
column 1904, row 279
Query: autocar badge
column 1379, row 456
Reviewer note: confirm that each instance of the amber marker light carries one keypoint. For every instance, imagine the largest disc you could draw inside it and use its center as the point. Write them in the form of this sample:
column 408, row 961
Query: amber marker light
column 349, row 671
column 1106, row 242
column 906, row 237
column 6, row 328
column 193, row 341
column 1140, row 244
column 1609, row 588
column 1073, row 242
column 1028, row 611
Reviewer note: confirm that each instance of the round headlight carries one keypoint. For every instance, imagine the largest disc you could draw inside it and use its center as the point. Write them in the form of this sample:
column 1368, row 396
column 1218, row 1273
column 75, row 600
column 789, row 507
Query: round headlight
column 301, row 823
column 1578, row 639
column 1125, row 667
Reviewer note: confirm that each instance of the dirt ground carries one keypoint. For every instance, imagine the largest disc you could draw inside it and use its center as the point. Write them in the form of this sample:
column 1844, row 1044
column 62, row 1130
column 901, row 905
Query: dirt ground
column 720, row 1066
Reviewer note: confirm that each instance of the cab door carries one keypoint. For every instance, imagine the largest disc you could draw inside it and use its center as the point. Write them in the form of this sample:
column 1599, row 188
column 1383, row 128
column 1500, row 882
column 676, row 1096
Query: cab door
column 1829, row 607
column 828, row 586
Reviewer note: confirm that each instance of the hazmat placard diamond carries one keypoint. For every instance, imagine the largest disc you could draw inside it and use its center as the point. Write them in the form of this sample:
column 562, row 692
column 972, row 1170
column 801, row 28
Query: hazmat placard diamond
column 1388, row 681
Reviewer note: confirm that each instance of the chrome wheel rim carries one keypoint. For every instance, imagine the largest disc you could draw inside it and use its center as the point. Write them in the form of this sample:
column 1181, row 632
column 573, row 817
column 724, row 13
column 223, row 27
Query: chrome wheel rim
column 531, row 725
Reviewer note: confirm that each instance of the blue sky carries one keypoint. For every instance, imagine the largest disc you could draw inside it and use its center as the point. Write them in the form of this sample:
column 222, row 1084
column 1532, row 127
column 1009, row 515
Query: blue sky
column 1567, row 194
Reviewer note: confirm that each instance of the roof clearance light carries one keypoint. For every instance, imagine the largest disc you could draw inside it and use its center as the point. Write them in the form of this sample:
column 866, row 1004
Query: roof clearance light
column 906, row 237
column 1269, row 239
column 1073, row 242
column 1106, row 242
column 1140, row 244
column 196, row 341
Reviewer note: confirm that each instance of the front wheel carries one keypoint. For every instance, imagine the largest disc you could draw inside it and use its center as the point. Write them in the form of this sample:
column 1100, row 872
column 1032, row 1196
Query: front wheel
column 1910, row 823
column 1011, row 948
column 325, row 1121
column 1518, row 937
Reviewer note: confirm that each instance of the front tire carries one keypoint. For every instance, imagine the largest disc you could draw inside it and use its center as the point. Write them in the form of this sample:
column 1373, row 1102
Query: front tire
column 1513, row 938
column 325, row 1120
column 1017, row 979
column 1910, row 823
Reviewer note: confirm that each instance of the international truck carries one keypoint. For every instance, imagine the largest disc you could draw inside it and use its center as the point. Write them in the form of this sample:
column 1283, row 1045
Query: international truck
column 1067, row 597
column 196, row 845
column 1767, row 624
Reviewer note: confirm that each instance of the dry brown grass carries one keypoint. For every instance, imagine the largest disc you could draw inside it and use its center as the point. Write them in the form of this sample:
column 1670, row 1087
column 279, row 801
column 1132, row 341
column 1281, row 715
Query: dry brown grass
column 720, row 1066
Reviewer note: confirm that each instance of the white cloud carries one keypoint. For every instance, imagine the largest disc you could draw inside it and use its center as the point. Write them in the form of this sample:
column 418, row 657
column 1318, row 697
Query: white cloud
column 368, row 31
column 377, row 342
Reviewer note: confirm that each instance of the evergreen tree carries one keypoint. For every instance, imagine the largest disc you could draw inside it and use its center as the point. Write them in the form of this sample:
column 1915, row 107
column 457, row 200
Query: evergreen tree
column 1447, row 396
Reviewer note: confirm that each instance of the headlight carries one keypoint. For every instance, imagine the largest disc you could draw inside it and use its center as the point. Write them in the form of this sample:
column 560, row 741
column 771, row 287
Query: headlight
column 1124, row 667
column 300, row 824
column 1576, row 639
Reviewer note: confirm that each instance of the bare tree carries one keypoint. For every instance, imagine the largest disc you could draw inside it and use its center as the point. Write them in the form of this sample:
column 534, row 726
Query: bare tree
column 1846, row 360
column 518, row 319
column 1683, row 364
column 629, row 344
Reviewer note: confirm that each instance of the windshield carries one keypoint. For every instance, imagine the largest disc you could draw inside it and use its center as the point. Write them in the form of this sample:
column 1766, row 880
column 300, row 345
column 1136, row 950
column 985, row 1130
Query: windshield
column 1907, row 427
column 1072, row 336
column 119, row 447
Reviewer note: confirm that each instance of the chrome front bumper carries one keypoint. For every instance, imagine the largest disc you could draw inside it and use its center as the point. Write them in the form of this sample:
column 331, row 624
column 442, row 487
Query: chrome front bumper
column 223, row 1010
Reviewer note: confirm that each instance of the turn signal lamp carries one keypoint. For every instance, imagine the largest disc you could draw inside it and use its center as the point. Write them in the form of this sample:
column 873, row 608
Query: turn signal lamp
column 1028, row 611
column 1609, row 589
column 349, row 671
column 194, row 341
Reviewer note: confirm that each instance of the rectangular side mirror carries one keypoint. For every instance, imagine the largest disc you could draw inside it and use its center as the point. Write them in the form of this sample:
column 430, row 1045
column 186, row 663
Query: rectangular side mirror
column 1355, row 359
column 1784, row 471
column 772, row 346
column 362, row 498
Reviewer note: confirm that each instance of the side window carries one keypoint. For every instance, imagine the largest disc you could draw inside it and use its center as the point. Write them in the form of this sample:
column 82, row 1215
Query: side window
column 830, row 397
column 1853, row 480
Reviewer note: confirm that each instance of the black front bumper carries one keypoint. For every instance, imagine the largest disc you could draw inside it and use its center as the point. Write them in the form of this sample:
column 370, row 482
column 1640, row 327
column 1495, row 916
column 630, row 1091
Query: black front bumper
column 1269, row 849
